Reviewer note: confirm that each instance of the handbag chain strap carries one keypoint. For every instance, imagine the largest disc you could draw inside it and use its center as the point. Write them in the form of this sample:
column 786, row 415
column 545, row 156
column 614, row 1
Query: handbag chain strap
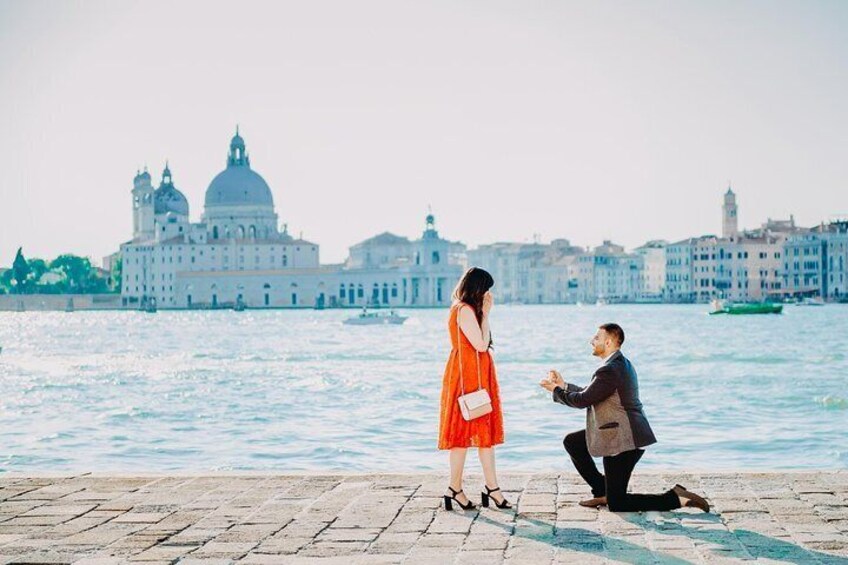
column 459, row 352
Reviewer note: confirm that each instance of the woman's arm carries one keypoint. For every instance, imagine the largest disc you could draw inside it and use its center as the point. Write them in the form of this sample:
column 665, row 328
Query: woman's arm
column 477, row 334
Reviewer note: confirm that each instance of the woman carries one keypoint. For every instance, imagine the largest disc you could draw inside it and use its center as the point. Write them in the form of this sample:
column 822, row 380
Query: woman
column 471, row 339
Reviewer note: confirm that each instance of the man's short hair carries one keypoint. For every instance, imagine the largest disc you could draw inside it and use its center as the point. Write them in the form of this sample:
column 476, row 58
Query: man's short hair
column 615, row 331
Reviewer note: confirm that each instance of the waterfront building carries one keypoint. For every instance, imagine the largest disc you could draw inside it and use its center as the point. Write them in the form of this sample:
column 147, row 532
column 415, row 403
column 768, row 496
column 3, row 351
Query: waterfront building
column 836, row 260
column 749, row 269
column 679, row 276
column 743, row 266
column 237, row 254
column 816, row 262
column 804, row 263
column 609, row 274
column 510, row 265
column 704, row 252
column 653, row 273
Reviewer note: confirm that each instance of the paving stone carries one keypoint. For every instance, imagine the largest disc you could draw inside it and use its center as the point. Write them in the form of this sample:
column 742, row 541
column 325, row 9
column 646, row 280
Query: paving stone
column 381, row 519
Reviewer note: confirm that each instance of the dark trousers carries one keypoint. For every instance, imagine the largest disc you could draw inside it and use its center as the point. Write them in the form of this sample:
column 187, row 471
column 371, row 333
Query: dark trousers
column 613, row 483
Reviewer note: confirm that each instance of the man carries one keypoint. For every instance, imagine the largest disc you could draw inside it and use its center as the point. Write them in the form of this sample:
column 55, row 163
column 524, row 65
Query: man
column 616, row 429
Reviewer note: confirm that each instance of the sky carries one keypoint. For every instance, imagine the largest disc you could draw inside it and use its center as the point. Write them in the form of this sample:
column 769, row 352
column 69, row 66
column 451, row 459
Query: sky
column 512, row 120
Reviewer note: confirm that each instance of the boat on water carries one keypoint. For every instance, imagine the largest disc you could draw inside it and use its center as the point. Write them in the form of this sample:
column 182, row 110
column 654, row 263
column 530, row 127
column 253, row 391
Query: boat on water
column 720, row 307
column 366, row 318
column 148, row 305
column 810, row 301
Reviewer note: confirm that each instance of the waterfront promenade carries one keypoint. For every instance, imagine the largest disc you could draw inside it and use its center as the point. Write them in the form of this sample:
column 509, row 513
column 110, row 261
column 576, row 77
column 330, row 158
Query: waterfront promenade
column 92, row 519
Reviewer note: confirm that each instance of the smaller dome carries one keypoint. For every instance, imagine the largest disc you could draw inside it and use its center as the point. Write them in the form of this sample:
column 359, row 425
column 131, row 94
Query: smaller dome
column 169, row 199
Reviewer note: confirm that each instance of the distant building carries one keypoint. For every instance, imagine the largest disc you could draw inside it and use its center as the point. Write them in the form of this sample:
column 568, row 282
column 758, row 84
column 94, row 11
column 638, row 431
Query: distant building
column 609, row 274
column 679, row 276
column 836, row 260
column 653, row 274
column 743, row 266
column 816, row 262
column 531, row 273
column 237, row 255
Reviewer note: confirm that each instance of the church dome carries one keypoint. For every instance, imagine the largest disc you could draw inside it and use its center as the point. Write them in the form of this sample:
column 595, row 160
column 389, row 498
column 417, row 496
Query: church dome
column 238, row 184
column 167, row 198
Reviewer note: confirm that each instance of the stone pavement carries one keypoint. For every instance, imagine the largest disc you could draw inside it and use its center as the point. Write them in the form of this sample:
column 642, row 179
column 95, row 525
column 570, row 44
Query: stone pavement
column 89, row 519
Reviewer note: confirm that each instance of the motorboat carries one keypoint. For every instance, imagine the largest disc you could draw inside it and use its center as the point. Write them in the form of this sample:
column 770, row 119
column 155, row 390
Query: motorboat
column 366, row 318
column 811, row 301
column 720, row 307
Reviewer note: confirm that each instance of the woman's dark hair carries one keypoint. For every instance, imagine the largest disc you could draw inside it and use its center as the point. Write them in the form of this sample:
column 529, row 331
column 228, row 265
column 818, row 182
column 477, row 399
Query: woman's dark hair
column 471, row 288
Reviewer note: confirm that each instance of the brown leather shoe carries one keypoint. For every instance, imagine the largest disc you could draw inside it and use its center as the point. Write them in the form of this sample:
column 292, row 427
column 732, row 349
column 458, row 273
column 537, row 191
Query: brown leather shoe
column 594, row 502
column 692, row 499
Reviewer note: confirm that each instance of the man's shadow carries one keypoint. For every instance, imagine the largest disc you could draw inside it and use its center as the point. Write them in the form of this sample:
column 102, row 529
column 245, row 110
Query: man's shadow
column 757, row 545
column 591, row 542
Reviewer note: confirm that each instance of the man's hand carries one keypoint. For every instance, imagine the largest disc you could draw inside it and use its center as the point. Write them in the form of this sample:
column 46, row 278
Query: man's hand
column 556, row 378
column 548, row 385
column 553, row 380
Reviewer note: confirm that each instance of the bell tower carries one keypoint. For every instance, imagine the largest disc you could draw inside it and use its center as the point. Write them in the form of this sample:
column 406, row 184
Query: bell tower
column 730, row 219
column 142, row 197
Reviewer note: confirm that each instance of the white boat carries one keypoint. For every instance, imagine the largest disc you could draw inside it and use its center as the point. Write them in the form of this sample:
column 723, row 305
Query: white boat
column 366, row 318
column 811, row 301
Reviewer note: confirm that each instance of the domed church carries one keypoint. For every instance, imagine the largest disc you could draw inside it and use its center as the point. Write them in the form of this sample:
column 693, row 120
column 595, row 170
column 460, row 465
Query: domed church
column 237, row 256
column 238, row 201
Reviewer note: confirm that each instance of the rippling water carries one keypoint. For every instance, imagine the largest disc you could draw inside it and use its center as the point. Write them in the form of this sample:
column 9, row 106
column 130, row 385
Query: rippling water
column 297, row 390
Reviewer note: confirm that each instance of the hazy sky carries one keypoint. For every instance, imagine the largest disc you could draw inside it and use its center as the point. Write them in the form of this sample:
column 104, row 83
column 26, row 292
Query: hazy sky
column 584, row 120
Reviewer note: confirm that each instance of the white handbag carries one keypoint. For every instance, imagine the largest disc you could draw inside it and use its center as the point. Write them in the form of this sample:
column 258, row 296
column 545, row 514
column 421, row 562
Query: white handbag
column 477, row 403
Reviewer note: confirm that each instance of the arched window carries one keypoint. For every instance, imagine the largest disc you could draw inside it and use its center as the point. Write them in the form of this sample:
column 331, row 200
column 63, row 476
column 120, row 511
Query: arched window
column 252, row 232
column 435, row 257
column 240, row 233
column 215, row 232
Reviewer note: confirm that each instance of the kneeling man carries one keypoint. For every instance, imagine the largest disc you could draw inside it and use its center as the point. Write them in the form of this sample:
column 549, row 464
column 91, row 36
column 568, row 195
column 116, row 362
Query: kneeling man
column 616, row 429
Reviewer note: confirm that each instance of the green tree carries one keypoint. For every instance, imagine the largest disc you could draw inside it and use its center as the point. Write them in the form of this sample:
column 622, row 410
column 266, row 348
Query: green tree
column 5, row 281
column 37, row 268
column 20, row 271
column 117, row 274
column 77, row 272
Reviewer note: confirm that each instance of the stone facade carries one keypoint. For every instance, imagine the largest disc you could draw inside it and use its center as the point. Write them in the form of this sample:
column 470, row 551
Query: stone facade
column 237, row 255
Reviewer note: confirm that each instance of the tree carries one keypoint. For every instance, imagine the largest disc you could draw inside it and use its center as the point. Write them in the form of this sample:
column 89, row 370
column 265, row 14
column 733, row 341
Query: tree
column 77, row 271
column 37, row 268
column 5, row 281
column 20, row 271
column 117, row 274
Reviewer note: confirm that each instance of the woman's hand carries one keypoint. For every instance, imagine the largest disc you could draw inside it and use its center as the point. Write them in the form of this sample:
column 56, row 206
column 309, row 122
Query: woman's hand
column 488, row 302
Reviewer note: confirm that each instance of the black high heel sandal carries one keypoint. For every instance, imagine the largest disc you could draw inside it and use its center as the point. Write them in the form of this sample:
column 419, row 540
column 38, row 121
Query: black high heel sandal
column 449, row 501
column 485, row 496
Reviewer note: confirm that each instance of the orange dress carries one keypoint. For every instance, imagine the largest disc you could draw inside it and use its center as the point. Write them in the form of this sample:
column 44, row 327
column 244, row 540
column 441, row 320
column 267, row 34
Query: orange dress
column 454, row 430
